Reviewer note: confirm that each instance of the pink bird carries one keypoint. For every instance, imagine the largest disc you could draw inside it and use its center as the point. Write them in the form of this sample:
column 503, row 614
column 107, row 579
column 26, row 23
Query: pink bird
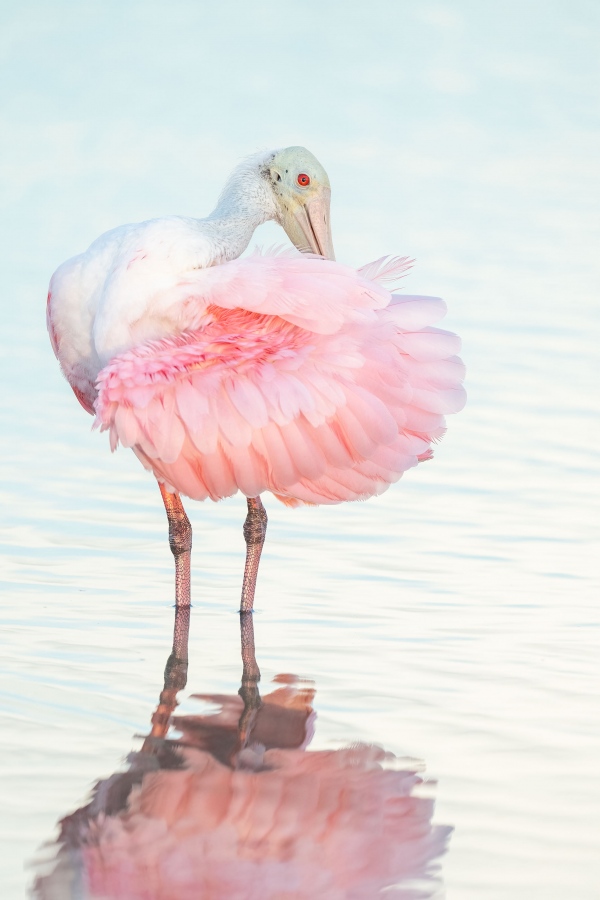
column 285, row 373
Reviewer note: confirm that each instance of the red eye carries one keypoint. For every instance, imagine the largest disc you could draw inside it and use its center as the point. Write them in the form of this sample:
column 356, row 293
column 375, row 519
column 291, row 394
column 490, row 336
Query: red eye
column 303, row 180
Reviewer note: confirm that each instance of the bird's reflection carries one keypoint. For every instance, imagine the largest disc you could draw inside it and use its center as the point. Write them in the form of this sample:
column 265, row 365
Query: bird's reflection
column 230, row 805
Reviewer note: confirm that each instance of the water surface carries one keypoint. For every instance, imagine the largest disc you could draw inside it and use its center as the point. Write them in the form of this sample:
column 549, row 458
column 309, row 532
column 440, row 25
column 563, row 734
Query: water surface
column 453, row 620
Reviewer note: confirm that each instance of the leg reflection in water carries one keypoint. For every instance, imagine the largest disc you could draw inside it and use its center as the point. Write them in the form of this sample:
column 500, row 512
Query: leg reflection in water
column 233, row 806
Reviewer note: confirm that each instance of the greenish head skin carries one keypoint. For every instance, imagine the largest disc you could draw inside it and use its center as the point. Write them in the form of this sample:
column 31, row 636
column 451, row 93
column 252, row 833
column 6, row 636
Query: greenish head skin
column 302, row 194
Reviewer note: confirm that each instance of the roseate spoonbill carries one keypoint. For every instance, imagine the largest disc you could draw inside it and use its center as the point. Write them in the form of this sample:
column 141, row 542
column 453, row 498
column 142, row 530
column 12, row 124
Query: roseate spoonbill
column 290, row 374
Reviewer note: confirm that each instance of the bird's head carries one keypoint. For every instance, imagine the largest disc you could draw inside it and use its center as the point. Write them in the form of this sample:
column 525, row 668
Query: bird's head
column 302, row 195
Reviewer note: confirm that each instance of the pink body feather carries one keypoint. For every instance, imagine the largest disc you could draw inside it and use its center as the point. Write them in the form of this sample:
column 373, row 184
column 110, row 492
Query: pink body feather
column 290, row 374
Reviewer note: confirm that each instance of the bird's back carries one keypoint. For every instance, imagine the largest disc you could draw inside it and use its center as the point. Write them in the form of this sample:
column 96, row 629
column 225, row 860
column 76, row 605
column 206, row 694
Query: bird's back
column 115, row 295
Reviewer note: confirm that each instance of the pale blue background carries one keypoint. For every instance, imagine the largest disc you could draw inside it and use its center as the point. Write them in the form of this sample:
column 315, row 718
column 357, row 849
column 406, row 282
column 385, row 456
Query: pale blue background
column 454, row 619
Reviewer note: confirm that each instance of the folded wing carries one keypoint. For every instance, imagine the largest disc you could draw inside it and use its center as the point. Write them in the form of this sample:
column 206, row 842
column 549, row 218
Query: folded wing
column 298, row 376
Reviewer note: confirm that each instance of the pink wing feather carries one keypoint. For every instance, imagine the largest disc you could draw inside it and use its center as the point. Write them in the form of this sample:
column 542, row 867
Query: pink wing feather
column 298, row 376
column 307, row 291
column 386, row 270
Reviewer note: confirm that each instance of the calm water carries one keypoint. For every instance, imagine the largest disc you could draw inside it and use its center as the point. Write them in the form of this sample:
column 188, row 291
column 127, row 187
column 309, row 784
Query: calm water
column 453, row 621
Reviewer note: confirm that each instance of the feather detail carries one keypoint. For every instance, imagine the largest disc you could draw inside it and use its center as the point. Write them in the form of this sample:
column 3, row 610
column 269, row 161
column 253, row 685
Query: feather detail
column 410, row 313
column 387, row 269
column 275, row 392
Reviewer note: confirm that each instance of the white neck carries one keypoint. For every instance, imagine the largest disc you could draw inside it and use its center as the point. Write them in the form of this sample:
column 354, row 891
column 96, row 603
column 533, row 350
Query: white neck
column 245, row 203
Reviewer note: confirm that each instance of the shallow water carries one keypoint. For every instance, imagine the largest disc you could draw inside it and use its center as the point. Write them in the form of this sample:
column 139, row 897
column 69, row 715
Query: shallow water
column 453, row 620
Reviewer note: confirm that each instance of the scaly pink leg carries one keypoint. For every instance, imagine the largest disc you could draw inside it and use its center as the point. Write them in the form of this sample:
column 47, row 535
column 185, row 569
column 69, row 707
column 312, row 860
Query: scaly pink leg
column 175, row 680
column 255, row 529
column 180, row 540
column 251, row 672
column 250, row 677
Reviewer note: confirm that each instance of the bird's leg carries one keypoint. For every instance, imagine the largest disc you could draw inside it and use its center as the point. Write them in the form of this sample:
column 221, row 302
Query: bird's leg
column 250, row 677
column 250, row 671
column 255, row 529
column 175, row 672
column 180, row 540
column 177, row 663
column 175, row 679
